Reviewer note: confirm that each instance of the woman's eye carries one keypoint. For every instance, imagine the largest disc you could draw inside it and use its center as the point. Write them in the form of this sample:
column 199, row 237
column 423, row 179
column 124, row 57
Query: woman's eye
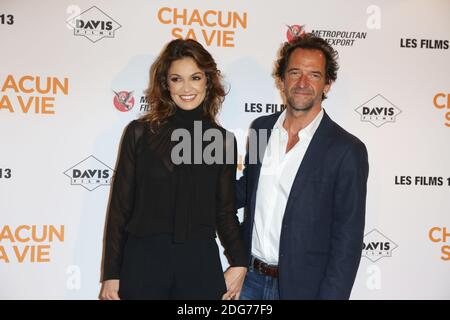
column 196, row 78
column 174, row 79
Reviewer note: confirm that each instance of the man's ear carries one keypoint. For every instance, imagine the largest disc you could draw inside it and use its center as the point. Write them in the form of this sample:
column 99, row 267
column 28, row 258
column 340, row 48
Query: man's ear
column 327, row 88
column 281, row 85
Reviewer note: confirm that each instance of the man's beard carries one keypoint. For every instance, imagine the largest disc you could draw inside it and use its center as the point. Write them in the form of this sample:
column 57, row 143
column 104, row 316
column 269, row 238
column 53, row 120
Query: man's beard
column 297, row 107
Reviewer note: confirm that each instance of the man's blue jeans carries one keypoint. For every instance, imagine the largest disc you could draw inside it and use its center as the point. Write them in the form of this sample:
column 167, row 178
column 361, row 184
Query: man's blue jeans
column 259, row 287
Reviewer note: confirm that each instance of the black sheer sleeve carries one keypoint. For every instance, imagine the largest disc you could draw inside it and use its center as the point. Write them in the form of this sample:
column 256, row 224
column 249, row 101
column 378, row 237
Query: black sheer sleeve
column 226, row 219
column 241, row 184
column 121, row 204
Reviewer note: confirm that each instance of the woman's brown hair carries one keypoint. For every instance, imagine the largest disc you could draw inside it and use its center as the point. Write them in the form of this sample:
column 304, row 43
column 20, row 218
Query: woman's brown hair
column 158, row 95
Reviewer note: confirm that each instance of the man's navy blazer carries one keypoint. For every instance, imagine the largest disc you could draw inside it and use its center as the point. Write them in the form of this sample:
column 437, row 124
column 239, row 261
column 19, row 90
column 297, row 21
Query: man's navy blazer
column 323, row 225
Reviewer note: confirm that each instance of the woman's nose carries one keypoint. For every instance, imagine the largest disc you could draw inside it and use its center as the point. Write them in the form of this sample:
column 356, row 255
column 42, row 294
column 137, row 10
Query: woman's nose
column 186, row 86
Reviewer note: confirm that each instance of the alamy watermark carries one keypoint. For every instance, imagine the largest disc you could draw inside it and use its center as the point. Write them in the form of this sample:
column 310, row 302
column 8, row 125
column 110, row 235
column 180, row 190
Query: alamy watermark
column 220, row 148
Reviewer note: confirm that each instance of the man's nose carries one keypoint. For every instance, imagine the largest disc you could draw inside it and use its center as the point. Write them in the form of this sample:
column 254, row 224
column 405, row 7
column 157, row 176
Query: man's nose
column 303, row 81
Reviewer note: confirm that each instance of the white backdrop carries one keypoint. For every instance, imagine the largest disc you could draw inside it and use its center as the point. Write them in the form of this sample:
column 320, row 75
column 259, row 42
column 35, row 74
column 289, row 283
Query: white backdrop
column 60, row 127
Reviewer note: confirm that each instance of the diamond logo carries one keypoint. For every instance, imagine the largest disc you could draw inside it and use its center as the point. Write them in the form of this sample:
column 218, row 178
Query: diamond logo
column 90, row 173
column 93, row 24
column 377, row 246
column 378, row 111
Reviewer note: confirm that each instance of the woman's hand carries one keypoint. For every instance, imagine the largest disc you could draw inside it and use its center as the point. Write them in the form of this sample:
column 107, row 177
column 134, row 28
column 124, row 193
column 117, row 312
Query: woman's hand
column 234, row 279
column 110, row 290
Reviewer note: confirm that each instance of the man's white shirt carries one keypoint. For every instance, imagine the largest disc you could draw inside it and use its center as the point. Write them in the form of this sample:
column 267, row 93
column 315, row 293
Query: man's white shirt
column 277, row 175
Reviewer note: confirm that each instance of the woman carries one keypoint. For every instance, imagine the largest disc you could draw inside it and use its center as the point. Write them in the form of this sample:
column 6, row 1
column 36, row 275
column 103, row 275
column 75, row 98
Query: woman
column 168, row 200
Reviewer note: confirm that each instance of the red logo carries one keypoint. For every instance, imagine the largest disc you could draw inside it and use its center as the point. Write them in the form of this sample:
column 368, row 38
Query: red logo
column 123, row 100
column 295, row 31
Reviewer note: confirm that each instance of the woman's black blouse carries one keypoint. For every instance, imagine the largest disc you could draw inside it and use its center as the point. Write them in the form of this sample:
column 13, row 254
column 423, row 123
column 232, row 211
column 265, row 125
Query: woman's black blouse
column 151, row 194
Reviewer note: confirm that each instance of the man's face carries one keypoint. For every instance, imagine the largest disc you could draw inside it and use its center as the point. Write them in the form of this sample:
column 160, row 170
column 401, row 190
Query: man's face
column 304, row 79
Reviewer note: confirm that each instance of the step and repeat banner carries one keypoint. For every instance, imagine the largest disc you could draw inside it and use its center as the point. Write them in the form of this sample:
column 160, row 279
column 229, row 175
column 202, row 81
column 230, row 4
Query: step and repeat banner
column 72, row 75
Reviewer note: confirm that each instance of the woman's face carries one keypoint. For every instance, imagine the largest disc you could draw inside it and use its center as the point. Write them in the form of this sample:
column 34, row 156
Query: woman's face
column 187, row 83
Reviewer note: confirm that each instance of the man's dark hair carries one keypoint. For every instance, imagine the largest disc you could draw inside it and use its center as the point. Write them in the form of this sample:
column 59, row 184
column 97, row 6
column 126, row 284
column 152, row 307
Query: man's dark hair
column 310, row 42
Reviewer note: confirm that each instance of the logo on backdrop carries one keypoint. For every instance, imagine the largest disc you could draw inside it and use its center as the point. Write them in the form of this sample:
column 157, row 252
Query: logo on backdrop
column 378, row 111
column 414, row 43
column 31, row 94
column 123, row 100
column 90, row 173
column 7, row 19
column 377, row 245
column 441, row 101
column 294, row 31
column 144, row 106
column 5, row 173
column 343, row 38
column 426, row 181
column 93, row 24
column 211, row 27
column 441, row 236
column 28, row 243
column 258, row 107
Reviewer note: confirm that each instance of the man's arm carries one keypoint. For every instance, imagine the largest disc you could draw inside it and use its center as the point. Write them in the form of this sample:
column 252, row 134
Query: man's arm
column 348, row 224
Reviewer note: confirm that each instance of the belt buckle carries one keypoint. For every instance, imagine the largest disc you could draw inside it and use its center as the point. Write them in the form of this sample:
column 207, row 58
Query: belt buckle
column 261, row 267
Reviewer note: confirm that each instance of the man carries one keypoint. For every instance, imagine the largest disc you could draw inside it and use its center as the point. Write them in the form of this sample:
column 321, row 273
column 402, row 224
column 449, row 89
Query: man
column 305, row 199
